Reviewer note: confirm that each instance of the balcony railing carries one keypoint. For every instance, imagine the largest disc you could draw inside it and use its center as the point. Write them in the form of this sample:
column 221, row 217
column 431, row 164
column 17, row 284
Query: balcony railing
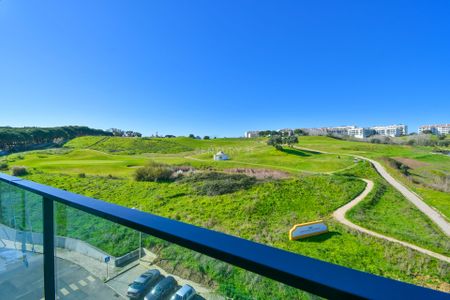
column 54, row 243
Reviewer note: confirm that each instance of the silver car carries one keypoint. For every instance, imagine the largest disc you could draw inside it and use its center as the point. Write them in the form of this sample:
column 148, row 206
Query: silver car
column 139, row 287
column 186, row 292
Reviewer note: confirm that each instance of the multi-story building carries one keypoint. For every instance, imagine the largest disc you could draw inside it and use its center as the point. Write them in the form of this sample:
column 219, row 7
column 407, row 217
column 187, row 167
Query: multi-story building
column 315, row 131
column 360, row 132
column 438, row 129
column 390, row 130
column 339, row 130
column 252, row 134
column 286, row 131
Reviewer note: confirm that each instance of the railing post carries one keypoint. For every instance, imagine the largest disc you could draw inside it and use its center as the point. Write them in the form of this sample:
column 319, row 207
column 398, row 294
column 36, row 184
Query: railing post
column 49, row 249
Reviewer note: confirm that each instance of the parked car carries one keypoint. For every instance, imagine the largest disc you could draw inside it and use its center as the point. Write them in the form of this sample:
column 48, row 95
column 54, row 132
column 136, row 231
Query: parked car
column 163, row 289
column 186, row 292
column 140, row 286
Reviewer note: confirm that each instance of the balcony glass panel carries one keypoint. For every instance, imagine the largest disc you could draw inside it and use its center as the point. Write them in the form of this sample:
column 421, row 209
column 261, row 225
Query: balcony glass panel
column 21, row 244
column 99, row 259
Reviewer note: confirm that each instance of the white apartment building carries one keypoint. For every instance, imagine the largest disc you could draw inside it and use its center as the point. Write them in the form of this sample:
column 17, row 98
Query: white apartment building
column 360, row 132
column 390, row 130
column 252, row 134
column 339, row 130
column 286, row 131
column 438, row 129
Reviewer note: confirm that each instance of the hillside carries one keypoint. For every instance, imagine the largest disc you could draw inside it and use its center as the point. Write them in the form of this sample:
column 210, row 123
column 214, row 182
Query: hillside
column 428, row 173
column 312, row 186
column 264, row 214
column 22, row 138
column 128, row 145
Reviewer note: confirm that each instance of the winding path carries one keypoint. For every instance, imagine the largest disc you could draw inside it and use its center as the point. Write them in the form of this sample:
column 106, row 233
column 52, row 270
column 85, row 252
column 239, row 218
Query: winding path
column 435, row 216
column 339, row 215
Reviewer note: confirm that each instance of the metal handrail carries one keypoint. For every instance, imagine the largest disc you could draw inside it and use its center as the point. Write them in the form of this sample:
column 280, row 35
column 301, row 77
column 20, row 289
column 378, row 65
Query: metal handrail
column 318, row 277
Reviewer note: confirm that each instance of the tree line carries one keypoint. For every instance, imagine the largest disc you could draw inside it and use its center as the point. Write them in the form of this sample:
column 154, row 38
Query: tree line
column 19, row 138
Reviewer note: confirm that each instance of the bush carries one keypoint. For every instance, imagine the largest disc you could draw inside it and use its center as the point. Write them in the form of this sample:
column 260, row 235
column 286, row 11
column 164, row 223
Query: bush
column 215, row 183
column 154, row 172
column 82, row 175
column 19, row 171
column 3, row 166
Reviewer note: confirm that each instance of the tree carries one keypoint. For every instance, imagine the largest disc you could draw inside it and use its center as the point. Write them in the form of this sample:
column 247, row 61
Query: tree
column 117, row 132
column 191, row 136
column 290, row 140
column 300, row 132
column 206, row 137
column 276, row 141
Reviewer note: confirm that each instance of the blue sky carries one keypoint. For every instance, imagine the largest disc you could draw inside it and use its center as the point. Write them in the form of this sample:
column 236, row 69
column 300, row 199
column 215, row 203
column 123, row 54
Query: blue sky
column 223, row 67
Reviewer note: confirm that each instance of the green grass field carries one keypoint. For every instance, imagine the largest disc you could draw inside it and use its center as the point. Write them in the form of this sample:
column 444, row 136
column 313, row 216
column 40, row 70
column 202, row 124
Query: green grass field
column 386, row 211
column 99, row 160
column 265, row 212
column 425, row 164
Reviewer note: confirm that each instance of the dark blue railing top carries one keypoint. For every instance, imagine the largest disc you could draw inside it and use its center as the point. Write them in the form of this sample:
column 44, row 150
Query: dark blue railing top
column 308, row 274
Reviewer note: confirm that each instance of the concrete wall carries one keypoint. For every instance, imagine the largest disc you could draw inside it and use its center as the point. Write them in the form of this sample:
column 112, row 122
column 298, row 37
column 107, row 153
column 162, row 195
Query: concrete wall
column 33, row 238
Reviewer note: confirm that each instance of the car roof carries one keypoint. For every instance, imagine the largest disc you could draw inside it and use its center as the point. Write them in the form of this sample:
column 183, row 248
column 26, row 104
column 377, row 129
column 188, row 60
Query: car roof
column 147, row 274
column 166, row 281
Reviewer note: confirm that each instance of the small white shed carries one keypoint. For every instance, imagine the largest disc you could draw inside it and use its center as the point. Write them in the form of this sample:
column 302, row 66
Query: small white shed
column 220, row 156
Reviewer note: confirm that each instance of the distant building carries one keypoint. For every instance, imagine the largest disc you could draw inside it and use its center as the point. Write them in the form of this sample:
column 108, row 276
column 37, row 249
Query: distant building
column 220, row 156
column 438, row 129
column 315, row 131
column 252, row 134
column 354, row 131
column 360, row 132
column 339, row 130
column 286, row 132
column 391, row 130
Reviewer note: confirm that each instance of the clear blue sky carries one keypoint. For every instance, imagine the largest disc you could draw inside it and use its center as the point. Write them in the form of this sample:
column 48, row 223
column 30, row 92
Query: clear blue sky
column 223, row 67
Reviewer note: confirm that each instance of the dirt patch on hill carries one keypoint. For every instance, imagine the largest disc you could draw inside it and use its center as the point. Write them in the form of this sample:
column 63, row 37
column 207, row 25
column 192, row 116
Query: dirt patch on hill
column 412, row 163
column 260, row 173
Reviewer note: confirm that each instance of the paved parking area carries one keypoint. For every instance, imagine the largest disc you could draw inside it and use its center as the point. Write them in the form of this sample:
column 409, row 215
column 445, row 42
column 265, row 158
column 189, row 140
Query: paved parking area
column 22, row 278
column 120, row 283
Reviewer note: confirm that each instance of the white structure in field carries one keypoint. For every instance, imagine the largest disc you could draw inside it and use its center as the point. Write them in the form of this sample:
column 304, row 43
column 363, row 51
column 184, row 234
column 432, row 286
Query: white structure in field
column 220, row 156
column 438, row 129
column 252, row 134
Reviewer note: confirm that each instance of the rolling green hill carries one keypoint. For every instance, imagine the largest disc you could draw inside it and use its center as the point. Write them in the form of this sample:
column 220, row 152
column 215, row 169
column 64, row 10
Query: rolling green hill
column 265, row 212
column 128, row 145
column 426, row 167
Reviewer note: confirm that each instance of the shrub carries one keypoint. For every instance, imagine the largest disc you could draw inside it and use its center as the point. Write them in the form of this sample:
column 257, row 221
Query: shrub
column 3, row 166
column 19, row 171
column 82, row 175
column 154, row 172
column 215, row 183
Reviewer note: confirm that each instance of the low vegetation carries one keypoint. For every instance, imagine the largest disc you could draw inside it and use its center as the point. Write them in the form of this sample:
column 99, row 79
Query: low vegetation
column 154, row 171
column 19, row 171
column 215, row 183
